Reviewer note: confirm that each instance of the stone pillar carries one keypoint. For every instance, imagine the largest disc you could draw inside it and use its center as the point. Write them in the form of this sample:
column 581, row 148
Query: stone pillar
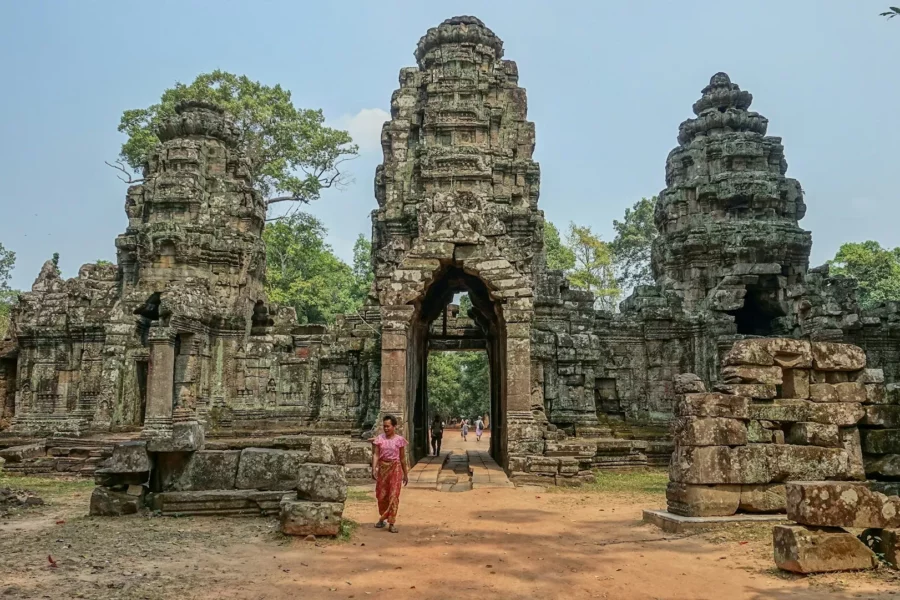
column 160, row 378
column 395, row 396
column 523, row 435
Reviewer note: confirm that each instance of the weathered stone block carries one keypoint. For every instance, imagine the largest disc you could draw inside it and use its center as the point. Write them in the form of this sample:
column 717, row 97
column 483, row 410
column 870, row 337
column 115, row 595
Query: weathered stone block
column 883, row 467
column 321, row 451
column 127, row 457
column 322, row 483
column 790, row 353
column 867, row 376
column 875, row 393
column 830, row 356
column 890, row 547
column 834, row 413
column 757, row 391
column 705, row 465
column 688, row 383
column 748, row 352
column 702, row 500
column 823, row 392
column 892, row 393
column 759, row 433
column 762, row 498
column 710, row 431
column 850, row 392
column 814, row 434
column 752, row 374
column 882, row 415
column 795, row 384
column 299, row 517
column 107, row 503
column 880, row 441
column 186, row 437
column 850, row 442
column 803, row 550
column 208, row 470
column 840, row 504
column 541, row 464
column 712, row 405
column 17, row 454
column 269, row 469
column 806, row 463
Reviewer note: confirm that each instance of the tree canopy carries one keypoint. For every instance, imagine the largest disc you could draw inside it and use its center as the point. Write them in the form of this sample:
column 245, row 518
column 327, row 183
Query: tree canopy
column 631, row 246
column 559, row 256
column 593, row 270
column 302, row 271
column 7, row 294
column 458, row 384
column 876, row 269
column 293, row 155
column 892, row 12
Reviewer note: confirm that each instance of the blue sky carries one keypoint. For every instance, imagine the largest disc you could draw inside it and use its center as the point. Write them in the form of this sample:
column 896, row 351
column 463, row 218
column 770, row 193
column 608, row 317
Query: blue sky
column 608, row 83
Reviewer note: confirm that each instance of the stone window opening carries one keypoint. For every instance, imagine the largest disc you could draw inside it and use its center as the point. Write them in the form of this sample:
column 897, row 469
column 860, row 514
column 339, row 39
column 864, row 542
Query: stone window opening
column 760, row 310
column 148, row 313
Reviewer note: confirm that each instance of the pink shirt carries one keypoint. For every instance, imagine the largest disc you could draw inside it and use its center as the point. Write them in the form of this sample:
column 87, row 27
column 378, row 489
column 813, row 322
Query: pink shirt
column 389, row 448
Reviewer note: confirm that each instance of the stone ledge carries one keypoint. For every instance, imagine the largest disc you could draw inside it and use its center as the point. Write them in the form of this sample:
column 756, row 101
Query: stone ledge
column 671, row 523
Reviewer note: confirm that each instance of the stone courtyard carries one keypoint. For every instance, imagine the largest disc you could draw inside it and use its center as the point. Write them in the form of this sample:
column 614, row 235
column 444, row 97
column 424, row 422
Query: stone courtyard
column 172, row 381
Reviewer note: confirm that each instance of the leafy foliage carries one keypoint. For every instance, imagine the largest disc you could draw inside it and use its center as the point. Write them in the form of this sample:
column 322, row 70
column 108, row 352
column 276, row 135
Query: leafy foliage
column 303, row 272
column 891, row 13
column 293, row 155
column 593, row 269
column 631, row 247
column 559, row 256
column 876, row 269
column 362, row 268
column 458, row 384
column 7, row 295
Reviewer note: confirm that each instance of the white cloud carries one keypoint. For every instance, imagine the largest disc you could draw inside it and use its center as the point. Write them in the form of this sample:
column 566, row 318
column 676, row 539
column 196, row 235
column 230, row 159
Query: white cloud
column 364, row 127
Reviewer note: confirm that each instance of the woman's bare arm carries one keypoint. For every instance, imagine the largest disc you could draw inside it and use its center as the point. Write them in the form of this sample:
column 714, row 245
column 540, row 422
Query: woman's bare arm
column 404, row 465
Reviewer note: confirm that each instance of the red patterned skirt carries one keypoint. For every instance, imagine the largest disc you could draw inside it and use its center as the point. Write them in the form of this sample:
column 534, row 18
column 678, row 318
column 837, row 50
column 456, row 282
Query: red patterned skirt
column 387, row 489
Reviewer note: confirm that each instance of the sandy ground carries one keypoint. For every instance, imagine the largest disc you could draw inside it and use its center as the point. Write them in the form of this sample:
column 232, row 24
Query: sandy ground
column 519, row 543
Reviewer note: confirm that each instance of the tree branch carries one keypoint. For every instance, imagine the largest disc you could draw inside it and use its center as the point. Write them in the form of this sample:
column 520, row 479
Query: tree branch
column 119, row 166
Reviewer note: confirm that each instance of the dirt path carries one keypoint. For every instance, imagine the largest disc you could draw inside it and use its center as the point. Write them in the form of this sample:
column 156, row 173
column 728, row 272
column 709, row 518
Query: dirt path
column 480, row 544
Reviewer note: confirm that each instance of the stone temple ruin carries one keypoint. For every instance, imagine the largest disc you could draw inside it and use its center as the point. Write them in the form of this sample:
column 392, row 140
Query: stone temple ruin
column 177, row 346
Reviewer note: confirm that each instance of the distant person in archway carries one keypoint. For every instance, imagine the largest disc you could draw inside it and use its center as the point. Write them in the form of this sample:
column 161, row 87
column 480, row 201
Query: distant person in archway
column 390, row 471
column 479, row 429
column 464, row 431
column 437, row 434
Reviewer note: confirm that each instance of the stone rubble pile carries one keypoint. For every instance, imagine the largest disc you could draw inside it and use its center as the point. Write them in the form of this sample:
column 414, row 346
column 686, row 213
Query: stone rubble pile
column 819, row 541
column 303, row 481
column 784, row 410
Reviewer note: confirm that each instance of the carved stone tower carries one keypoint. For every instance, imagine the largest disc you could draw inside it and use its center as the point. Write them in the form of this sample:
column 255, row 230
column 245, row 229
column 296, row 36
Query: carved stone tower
column 457, row 196
column 729, row 239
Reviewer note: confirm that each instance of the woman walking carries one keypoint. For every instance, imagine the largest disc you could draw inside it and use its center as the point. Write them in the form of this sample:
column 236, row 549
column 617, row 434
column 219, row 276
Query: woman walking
column 390, row 472
column 465, row 430
column 479, row 429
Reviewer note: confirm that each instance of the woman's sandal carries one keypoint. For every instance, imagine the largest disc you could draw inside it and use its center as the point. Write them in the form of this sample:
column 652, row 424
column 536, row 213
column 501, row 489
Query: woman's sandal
column 380, row 525
column 393, row 529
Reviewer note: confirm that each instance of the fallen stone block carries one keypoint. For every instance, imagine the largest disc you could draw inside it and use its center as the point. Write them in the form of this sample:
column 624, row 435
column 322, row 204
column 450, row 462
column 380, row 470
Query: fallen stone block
column 702, row 500
column 688, row 383
column 218, row 503
column 757, row 391
column 803, row 550
column 269, row 469
column 880, row 441
column 108, row 503
column 299, row 517
column 814, row 434
column 830, row 356
column 749, row 352
column 752, row 374
column 186, row 437
column 207, row 470
column 840, row 504
column 322, row 483
column 127, row 457
column 712, row 404
column 710, row 431
column 795, row 411
column 790, row 353
column 762, row 498
column 17, row 454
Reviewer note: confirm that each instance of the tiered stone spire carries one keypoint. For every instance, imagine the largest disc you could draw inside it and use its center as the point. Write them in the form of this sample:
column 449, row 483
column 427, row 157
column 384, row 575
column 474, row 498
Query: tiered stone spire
column 729, row 239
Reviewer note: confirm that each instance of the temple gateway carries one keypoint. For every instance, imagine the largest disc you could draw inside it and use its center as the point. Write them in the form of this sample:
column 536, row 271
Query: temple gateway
column 176, row 344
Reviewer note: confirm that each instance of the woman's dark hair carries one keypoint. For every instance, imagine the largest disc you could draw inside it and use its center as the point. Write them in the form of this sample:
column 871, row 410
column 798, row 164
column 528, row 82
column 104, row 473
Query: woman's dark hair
column 390, row 418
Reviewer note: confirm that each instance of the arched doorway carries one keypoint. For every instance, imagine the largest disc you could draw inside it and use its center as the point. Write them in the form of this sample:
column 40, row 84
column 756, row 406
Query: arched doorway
column 428, row 333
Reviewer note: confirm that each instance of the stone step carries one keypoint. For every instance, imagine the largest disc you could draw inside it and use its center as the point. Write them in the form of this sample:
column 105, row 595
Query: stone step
column 219, row 502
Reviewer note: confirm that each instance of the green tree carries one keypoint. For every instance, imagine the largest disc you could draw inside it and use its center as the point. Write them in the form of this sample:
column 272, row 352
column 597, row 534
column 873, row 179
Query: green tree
column 103, row 263
column 876, row 269
column 362, row 269
column 631, row 246
column 559, row 256
column 593, row 269
column 891, row 13
column 458, row 384
column 303, row 272
column 8, row 296
column 55, row 261
column 293, row 155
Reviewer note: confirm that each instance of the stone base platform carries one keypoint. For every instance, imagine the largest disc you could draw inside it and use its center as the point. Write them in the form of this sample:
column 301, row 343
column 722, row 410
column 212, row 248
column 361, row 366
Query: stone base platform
column 233, row 503
column 671, row 523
